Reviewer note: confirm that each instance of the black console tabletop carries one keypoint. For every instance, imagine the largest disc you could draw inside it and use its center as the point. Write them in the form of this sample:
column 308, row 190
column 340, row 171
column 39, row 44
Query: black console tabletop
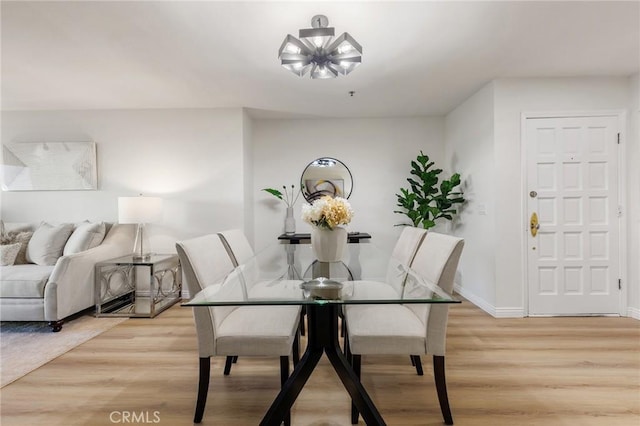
column 353, row 237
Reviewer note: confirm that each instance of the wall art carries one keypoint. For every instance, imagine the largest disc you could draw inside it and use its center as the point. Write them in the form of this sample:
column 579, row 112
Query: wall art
column 49, row 166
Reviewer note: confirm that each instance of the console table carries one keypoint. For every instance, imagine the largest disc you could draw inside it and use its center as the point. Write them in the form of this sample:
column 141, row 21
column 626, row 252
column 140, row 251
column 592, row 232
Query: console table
column 305, row 238
column 318, row 269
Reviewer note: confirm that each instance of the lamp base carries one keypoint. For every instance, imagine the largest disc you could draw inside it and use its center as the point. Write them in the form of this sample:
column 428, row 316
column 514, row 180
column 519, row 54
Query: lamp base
column 138, row 246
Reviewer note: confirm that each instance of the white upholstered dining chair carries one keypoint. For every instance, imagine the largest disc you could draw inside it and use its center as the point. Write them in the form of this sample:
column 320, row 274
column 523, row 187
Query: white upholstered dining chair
column 240, row 252
column 403, row 253
column 232, row 330
column 237, row 246
column 410, row 329
column 402, row 256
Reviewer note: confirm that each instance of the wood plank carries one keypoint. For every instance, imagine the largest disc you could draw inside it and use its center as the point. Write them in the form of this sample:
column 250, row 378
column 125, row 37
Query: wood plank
column 530, row 371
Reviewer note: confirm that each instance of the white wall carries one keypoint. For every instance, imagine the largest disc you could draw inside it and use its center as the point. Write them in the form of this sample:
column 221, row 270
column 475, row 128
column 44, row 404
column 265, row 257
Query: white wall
column 209, row 165
column 512, row 98
column 247, row 168
column 485, row 130
column 633, row 198
column 377, row 151
column 191, row 158
column 469, row 151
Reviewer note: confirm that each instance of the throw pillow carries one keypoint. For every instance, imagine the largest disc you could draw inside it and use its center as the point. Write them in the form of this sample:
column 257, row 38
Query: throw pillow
column 21, row 237
column 47, row 243
column 85, row 236
column 8, row 254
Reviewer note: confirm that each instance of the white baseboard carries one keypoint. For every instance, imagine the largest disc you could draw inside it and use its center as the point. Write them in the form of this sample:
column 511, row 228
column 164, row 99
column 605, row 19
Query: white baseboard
column 488, row 307
column 478, row 301
column 509, row 313
column 633, row 313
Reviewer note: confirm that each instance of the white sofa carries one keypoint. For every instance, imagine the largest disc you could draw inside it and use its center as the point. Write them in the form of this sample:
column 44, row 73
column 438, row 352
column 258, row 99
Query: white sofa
column 51, row 292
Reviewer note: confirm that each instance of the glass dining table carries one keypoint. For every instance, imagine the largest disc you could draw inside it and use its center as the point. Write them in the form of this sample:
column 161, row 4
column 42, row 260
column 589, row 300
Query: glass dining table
column 286, row 274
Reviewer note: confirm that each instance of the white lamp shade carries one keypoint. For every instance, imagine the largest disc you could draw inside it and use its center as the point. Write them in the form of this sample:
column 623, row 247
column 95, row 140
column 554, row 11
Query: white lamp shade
column 139, row 209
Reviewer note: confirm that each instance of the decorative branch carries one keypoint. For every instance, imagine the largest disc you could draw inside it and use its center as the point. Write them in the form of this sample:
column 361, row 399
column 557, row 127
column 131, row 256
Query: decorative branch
column 286, row 196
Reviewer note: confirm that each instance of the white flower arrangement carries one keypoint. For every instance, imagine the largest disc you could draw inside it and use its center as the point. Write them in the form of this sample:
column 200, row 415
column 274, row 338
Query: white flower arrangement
column 327, row 212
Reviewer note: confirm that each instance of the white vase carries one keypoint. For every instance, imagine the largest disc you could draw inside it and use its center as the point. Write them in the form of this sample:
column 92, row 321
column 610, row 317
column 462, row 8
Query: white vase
column 289, row 222
column 328, row 245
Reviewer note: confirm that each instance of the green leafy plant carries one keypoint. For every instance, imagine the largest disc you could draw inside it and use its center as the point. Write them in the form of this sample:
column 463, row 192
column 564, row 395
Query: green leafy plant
column 289, row 196
column 425, row 202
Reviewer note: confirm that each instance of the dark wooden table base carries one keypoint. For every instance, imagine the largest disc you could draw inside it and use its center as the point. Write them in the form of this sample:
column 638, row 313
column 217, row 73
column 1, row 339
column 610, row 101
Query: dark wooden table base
column 322, row 338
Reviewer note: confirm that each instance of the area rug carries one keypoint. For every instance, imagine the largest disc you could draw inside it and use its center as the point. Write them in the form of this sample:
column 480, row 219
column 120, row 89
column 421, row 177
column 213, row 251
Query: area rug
column 25, row 346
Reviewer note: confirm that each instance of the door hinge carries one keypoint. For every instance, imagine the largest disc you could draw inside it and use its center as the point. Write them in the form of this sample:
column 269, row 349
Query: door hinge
column 619, row 211
column 619, row 283
column 618, row 138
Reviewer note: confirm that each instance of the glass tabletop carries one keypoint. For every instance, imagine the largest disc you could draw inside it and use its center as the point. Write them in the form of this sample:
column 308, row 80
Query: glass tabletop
column 285, row 274
column 133, row 259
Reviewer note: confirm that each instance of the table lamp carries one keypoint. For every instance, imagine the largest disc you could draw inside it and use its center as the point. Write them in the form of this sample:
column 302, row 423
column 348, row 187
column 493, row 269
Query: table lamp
column 139, row 210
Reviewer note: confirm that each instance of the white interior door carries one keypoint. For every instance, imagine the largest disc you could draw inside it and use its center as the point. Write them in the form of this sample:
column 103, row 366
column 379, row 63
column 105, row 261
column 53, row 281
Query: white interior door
column 572, row 185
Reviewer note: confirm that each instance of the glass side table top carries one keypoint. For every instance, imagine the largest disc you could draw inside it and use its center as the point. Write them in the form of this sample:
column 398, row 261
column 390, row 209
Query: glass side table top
column 129, row 259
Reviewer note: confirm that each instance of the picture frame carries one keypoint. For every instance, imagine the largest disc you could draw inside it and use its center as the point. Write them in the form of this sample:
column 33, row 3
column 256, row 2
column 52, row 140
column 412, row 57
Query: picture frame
column 317, row 188
column 49, row 166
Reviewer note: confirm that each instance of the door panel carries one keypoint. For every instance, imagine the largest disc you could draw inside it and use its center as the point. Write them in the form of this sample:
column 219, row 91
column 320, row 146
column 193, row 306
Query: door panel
column 573, row 261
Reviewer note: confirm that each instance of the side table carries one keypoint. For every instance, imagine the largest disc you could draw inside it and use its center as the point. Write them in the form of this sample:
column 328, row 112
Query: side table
column 121, row 290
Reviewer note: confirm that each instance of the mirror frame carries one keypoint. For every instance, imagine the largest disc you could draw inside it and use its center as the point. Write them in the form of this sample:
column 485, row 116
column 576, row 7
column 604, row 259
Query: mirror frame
column 317, row 164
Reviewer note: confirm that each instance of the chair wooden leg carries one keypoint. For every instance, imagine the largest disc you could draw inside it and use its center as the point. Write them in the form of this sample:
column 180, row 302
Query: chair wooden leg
column 415, row 360
column 441, row 387
column 284, row 375
column 227, row 365
column 235, row 359
column 356, row 363
column 203, row 388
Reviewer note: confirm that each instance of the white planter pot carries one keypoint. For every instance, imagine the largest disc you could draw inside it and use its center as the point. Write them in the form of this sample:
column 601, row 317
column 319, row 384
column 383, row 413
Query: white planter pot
column 328, row 245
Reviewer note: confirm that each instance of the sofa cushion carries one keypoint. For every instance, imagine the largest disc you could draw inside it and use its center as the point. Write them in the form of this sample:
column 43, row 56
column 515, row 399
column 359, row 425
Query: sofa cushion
column 24, row 280
column 47, row 243
column 21, row 237
column 86, row 236
column 8, row 253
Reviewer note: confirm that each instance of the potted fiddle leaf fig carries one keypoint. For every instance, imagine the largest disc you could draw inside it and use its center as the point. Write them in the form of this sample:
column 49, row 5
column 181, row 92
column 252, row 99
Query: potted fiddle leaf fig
column 426, row 201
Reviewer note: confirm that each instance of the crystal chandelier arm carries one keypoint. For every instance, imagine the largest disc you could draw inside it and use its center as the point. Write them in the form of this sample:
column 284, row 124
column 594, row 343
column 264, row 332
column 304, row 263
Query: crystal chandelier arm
column 323, row 71
column 345, row 66
column 317, row 37
column 298, row 66
column 344, row 44
column 292, row 45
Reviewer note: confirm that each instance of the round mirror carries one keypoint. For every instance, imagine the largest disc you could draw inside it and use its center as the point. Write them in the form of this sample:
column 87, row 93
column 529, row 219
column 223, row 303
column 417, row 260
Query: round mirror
column 326, row 176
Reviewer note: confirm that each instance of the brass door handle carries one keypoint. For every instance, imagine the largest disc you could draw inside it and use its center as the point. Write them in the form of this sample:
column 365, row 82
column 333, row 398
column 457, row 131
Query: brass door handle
column 534, row 225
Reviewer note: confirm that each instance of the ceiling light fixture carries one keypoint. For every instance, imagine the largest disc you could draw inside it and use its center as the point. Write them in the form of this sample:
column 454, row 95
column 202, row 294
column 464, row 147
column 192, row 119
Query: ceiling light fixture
column 314, row 51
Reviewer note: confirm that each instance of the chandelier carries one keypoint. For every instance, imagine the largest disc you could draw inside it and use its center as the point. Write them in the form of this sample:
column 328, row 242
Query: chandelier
column 316, row 53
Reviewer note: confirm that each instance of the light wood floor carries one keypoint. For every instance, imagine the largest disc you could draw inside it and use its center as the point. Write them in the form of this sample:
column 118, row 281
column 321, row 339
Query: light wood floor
column 532, row 371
